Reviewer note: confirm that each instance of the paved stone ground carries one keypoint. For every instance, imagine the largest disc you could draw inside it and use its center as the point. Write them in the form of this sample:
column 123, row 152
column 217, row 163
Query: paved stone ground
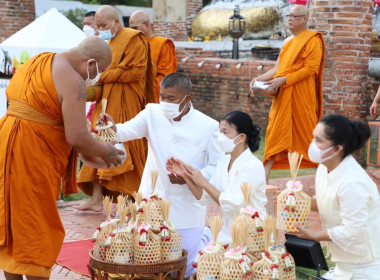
column 81, row 225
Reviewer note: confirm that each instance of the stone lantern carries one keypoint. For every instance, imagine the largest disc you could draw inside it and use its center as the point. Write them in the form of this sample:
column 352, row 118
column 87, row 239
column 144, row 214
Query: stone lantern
column 236, row 28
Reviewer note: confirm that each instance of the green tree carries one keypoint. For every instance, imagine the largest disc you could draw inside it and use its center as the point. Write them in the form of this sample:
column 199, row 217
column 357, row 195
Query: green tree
column 75, row 16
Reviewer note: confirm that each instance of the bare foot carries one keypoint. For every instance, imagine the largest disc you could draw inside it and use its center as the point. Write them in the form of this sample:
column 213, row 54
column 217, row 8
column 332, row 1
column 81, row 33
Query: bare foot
column 90, row 205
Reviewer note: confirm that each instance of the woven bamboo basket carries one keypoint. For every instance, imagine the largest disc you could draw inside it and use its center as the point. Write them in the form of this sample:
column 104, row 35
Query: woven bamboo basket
column 267, row 268
column 285, row 262
column 209, row 259
column 100, row 236
column 293, row 204
column 236, row 262
column 120, row 244
column 171, row 241
column 250, row 216
column 147, row 251
column 140, row 202
column 155, row 219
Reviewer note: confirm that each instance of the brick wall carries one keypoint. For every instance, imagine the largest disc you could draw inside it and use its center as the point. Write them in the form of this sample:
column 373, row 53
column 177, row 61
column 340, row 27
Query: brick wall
column 347, row 27
column 14, row 16
column 180, row 30
column 217, row 91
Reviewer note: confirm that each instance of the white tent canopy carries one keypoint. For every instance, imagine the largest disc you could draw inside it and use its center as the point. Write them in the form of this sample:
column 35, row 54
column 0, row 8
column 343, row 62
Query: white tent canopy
column 51, row 32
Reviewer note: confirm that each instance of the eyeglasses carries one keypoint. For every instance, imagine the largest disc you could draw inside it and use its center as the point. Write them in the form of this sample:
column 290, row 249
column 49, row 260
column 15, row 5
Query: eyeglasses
column 293, row 16
column 137, row 26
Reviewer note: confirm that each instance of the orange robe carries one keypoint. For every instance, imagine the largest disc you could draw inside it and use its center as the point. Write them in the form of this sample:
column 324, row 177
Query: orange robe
column 164, row 58
column 33, row 158
column 128, row 85
column 297, row 108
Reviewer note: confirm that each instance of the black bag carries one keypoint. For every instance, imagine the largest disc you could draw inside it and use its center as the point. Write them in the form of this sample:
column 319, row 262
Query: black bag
column 306, row 253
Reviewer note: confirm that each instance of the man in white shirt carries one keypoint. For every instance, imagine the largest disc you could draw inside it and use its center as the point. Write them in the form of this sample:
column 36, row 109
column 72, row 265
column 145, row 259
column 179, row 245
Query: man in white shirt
column 175, row 128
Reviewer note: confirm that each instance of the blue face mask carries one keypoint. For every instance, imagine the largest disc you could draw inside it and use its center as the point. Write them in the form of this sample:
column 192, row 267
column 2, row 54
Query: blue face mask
column 107, row 34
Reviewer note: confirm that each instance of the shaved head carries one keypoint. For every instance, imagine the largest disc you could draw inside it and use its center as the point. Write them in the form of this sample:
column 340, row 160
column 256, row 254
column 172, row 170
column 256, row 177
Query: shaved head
column 301, row 10
column 107, row 12
column 139, row 17
column 139, row 20
column 96, row 48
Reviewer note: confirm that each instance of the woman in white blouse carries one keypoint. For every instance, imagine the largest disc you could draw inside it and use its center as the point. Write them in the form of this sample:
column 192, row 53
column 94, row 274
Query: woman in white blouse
column 346, row 198
column 239, row 137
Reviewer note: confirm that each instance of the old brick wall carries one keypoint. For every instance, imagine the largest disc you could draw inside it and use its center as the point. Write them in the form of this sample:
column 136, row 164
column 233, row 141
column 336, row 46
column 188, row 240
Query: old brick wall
column 347, row 29
column 179, row 30
column 217, row 91
column 14, row 15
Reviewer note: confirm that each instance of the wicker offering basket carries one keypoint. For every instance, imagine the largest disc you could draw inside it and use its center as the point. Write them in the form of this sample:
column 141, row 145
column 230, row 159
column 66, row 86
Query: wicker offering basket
column 267, row 268
column 209, row 259
column 171, row 241
column 293, row 204
column 120, row 243
column 101, row 234
column 140, row 202
column 147, row 243
column 236, row 263
column 250, row 216
column 103, row 131
column 156, row 218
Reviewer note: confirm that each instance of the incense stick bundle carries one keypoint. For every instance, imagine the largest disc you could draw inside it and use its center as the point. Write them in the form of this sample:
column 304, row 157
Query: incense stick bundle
column 293, row 204
column 104, row 131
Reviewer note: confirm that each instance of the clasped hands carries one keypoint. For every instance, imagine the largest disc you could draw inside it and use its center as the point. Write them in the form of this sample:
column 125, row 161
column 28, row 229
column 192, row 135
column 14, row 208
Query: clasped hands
column 181, row 171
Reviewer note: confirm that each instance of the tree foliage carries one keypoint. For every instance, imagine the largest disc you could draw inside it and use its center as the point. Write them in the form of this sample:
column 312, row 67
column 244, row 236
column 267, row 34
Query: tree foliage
column 75, row 16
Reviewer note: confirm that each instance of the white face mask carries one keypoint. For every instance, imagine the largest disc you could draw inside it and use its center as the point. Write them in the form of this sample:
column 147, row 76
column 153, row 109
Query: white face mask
column 88, row 31
column 90, row 82
column 316, row 154
column 226, row 144
column 171, row 110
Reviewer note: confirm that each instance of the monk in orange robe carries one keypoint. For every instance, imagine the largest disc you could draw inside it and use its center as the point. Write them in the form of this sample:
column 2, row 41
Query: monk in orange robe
column 128, row 85
column 41, row 133
column 297, row 107
column 162, row 50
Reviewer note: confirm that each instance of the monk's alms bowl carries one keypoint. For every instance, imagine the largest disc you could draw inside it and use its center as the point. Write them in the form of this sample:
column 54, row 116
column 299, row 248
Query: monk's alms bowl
column 94, row 93
column 262, row 89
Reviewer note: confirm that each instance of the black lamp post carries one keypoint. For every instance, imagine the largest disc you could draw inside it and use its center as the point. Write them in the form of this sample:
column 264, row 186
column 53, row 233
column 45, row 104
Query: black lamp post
column 236, row 29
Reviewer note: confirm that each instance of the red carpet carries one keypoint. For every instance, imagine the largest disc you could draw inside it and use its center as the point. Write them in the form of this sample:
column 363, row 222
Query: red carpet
column 74, row 256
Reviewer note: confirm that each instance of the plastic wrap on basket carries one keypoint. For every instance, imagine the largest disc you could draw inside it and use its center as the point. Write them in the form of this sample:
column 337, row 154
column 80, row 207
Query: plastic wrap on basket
column 147, row 243
column 236, row 262
column 171, row 240
column 209, row 259
column 293, row 204
column 250, row 216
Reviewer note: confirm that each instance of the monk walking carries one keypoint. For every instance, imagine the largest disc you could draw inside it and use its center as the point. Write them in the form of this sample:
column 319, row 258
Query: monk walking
column 162, row 50
column 44, row 128
column 297, row 107
column 128, row 85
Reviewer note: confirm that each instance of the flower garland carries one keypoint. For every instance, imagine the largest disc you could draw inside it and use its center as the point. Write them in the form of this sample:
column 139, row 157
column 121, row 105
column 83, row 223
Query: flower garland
column 141, row 206
column 143, row 230
column 121, row 229
column 274, row 265
column 287, row 261
column 241, row 256
column 293, row 187
column 98, row 229
column 210, row 249
column 165, row 233
column 255, row 216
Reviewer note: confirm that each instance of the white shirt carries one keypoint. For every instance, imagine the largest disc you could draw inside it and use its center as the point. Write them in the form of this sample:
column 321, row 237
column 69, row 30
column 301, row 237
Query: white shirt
column 192, row 140
column 246, row 168
column 349, row 206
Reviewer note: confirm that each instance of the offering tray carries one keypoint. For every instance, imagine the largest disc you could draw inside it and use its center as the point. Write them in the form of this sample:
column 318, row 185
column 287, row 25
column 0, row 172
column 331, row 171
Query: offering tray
column 106, row 270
